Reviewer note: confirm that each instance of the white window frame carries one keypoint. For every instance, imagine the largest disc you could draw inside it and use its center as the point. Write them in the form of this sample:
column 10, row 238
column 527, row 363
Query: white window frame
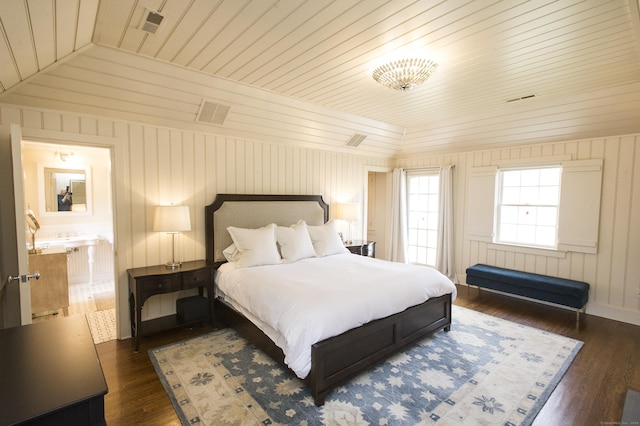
column 500, row 203
column 431, row 235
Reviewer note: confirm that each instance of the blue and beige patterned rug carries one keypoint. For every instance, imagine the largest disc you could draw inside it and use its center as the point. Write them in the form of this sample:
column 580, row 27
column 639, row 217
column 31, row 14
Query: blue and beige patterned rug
column 484, row 371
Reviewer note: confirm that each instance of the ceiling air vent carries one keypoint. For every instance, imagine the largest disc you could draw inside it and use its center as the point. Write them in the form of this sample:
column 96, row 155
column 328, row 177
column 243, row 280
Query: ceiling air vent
column 212, row 113
column 150, row 21
column 521, row 98
column 355, row 140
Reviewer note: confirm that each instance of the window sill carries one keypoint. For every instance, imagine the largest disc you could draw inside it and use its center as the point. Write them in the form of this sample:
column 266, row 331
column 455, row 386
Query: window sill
column 528, row 250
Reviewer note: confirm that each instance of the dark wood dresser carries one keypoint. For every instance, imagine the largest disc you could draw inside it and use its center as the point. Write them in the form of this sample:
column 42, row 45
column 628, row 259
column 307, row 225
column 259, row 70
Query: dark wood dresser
column 50, row 374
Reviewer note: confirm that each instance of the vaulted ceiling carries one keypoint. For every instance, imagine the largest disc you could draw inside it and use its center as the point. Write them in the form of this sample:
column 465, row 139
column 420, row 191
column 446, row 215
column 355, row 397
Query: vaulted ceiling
column 299, row 72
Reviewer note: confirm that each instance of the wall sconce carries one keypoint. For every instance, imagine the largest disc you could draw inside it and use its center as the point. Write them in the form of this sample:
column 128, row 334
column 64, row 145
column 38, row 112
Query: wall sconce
column 349, row 212
column 63, row 156
column 172, row 220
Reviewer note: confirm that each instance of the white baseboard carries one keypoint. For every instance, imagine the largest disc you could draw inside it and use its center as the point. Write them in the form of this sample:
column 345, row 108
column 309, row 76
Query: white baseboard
column 614, row 313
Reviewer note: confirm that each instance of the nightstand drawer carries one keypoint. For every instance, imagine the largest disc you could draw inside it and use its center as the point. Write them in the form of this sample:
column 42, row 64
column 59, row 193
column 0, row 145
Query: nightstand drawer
column 195, row 278
column 155, row 285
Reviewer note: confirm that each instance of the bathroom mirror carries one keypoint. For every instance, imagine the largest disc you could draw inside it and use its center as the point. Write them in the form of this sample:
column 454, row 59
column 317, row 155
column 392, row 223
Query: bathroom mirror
column 64, row 191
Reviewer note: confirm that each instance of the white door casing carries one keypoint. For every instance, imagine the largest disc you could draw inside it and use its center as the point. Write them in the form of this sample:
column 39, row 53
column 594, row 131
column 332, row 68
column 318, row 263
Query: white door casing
column 21, row 239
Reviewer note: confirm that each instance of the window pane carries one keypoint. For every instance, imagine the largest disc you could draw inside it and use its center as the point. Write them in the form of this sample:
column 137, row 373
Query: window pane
column 509, row 214
column 413, row 219
column 530, row 177
column 508, row 233
column 529, row 195
column 526, row 234
column 422, row 237
column 511, row 178
column 526, row 215
column 547, row 216
column 412, row 253
column 432, row 239
column 549, row 176
column 422, row 255
column 412, row 237
column 546, row 236
column 511, row 195
column 431, row 257
column 549, row 195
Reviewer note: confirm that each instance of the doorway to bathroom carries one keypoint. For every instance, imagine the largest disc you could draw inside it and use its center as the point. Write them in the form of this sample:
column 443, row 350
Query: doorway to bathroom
column 68, row 192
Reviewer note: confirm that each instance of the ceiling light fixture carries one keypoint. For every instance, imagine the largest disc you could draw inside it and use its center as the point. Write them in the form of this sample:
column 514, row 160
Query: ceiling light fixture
column 63, row 156
column 404, row 74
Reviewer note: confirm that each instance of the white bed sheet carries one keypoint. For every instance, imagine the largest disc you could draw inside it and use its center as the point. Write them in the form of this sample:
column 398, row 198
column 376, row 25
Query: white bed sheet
column 301, row 303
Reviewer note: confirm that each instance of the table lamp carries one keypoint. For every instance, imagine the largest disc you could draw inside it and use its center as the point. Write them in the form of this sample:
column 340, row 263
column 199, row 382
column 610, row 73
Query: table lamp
column 172, row 220
column 350, row 213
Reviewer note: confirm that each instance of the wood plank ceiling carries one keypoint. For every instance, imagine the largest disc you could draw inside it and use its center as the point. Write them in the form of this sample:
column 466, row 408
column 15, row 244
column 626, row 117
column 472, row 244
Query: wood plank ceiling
column 296, row 71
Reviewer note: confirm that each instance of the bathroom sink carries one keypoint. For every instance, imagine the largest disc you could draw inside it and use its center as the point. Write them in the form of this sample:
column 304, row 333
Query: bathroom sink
column 69, row 241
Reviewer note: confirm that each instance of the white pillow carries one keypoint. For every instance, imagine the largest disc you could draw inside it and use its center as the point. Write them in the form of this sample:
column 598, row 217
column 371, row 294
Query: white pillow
column 326, row 240
column 294, row 242
column 231, row 253
column 255, row 246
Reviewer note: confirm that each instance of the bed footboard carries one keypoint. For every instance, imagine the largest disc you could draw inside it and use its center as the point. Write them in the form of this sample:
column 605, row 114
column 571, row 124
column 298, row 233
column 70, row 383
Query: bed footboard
column 340, row 358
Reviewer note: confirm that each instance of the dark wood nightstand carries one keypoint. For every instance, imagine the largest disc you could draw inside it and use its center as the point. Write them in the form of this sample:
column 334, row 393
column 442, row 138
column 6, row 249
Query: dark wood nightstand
column 363, row 248
column 151, row 280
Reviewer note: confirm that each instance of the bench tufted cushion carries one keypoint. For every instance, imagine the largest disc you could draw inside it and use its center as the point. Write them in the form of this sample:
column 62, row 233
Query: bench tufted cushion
column 536, row 286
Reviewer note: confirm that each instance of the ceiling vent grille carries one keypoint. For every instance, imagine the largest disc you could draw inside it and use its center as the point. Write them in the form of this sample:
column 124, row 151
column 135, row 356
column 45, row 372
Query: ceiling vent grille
column 150, row 21
column 521, row 98
column 355, row 140
column 212, row 113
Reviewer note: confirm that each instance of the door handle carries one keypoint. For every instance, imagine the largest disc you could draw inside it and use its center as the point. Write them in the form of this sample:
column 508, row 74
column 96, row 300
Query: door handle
column 24, row 277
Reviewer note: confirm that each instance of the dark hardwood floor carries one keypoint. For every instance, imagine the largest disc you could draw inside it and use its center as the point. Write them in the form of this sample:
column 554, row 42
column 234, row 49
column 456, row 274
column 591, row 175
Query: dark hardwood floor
column 592, row 392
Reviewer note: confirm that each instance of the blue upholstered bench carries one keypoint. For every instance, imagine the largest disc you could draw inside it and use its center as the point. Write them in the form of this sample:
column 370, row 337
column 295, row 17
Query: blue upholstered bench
column 561, row 291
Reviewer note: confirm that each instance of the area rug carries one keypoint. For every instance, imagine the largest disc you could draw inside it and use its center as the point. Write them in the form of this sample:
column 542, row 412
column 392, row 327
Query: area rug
column 484, row 371
column 631, row 410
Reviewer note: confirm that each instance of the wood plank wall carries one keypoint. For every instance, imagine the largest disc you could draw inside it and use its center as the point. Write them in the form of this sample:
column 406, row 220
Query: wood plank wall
column 155, row 165
column 614, row 272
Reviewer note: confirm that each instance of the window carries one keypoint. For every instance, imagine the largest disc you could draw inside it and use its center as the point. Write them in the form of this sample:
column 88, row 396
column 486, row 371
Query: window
column 527, row 208
column 422, row 211
column 577, row 207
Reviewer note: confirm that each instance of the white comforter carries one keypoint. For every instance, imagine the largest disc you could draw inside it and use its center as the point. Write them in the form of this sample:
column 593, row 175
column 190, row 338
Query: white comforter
column 301, row 303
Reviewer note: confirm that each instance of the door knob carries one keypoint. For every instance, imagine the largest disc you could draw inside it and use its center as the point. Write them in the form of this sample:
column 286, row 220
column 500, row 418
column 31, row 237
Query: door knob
column 24, row 277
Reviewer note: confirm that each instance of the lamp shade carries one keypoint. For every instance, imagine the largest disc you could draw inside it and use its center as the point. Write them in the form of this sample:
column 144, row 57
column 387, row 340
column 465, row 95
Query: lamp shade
column 348, row 211
column 171, row 219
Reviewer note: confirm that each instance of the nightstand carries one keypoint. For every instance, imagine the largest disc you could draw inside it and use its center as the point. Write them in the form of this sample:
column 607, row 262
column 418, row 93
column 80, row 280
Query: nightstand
column 151, row 280
column 363, row 248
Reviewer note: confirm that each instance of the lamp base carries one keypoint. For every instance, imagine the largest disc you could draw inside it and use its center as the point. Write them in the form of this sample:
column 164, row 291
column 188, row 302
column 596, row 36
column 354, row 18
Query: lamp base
column 173, row 264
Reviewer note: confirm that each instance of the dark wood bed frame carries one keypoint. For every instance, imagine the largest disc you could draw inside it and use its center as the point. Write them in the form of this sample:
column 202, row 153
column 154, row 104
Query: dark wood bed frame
column 337, row 359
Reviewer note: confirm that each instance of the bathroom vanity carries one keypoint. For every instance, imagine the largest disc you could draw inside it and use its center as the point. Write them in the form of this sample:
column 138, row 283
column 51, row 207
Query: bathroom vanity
column 51, row 291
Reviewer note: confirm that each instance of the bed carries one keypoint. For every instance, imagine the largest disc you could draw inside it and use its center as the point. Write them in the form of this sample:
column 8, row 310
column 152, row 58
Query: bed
column 333, row 360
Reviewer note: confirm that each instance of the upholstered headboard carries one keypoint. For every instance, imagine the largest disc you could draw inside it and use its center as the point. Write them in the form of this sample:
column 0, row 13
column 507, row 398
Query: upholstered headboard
column 254, row 211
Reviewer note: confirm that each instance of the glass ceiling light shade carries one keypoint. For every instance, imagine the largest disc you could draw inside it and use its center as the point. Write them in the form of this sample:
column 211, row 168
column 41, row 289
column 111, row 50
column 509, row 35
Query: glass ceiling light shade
column 404, row 74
